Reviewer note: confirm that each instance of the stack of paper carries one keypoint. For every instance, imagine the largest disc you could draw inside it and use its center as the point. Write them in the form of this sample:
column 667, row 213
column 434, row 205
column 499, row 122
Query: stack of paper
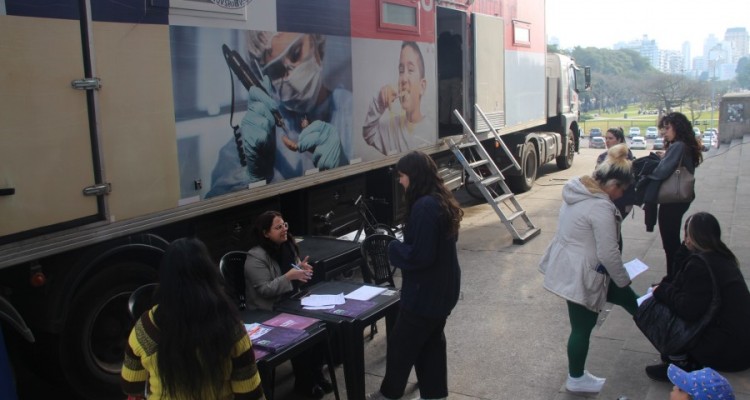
column 273, row 338
column 322, row 301
column 285, row 320
column 365, row 293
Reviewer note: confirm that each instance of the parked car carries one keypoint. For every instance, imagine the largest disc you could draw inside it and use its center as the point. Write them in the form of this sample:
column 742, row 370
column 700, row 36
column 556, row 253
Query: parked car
column 715, row 136
column 709, row 142
column 697, row 132
column 595, row 132
column 638, row 143
column 634, row 131
column 597, row 142
column 659, row 143
column 652, row 132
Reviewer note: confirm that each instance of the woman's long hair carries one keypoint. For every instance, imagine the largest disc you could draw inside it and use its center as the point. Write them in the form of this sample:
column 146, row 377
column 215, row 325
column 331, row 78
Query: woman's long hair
column 263, row 223
column 705, row 234
column 198, row 324
column 683, row 132
column 424, row 180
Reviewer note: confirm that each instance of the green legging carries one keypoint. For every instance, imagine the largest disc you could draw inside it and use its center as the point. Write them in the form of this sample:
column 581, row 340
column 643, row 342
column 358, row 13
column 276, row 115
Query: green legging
column 583, row 320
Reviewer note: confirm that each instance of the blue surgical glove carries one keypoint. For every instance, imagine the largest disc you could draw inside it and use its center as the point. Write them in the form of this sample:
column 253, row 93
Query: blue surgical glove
column 258, row 128
column 323, row 140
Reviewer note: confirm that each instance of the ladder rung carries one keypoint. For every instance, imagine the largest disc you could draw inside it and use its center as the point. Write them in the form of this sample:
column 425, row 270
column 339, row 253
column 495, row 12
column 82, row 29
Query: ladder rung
column 526, row 236
column 503, row 197
column 489, row 181
column 516, row 214
column 477, row 163
column 465, row 145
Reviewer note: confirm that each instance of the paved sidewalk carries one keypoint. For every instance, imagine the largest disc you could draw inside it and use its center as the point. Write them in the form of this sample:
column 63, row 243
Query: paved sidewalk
column 507, row 335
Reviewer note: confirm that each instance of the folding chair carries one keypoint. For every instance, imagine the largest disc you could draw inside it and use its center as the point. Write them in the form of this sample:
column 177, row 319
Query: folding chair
column 232, row 267
column 375, row 265
column 141, row 300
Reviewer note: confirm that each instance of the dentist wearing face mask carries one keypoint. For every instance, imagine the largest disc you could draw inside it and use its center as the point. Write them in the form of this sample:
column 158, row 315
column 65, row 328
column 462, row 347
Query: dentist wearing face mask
column 318, row 119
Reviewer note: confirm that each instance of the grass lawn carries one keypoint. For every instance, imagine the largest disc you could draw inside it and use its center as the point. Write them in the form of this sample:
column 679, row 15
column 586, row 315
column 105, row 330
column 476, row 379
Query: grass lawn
column 630, row 117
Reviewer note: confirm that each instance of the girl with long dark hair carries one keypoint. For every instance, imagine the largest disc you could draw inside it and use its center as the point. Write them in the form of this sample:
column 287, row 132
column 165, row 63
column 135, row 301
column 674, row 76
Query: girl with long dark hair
column 431, row 280
column 192, row 345
column 725, row 343
column 682, row 149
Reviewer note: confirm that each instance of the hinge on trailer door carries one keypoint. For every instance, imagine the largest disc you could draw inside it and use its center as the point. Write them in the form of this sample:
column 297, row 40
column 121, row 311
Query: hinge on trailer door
column 86, row 84
column 97, row 190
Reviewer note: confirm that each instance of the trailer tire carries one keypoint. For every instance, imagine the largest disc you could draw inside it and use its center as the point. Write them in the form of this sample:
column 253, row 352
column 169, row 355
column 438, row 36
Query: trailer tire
column 529, row 167
column 97, row 327
column 565, row 161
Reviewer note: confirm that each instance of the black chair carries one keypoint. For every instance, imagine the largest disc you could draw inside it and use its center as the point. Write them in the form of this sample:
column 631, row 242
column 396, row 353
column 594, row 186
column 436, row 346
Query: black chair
column 375, row 265
column 232, row 267
column 141, row 300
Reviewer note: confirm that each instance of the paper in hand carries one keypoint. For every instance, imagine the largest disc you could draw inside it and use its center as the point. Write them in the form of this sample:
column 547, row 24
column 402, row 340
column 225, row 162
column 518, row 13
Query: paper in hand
column 635, row 268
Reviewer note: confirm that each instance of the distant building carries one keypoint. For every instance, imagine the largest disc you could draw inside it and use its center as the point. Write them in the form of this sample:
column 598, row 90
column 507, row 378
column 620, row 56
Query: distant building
column 645, row 47
column 738, row 37
column 686, row 57
column 670, row 61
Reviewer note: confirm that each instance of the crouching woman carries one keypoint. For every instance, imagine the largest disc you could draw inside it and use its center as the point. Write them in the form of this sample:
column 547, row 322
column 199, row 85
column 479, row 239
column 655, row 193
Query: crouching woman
column 583, row 264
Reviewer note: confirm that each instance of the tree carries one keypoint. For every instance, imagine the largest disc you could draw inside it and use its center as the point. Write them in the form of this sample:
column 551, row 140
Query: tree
column 743, row 73
column 671, row 91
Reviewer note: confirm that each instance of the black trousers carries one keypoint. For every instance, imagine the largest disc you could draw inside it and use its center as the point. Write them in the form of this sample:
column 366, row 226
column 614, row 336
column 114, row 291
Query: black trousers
column 670, row 224
column 420, row 343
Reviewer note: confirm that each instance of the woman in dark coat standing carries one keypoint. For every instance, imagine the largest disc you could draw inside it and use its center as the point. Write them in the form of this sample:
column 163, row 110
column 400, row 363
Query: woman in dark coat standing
column 725, row 343
column 682, row 149
column 431, row 280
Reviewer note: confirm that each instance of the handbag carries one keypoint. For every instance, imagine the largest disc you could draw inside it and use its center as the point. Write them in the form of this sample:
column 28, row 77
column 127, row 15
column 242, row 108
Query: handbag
column 678, row 187
column 669, row 333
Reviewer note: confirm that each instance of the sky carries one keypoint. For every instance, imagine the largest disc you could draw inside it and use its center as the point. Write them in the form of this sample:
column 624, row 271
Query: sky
column 602, row 23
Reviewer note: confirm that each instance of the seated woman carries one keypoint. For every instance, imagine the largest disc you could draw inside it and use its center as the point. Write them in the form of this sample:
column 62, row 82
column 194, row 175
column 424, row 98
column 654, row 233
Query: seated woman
column 725, row 343
column 274, row 270
column 193, row 344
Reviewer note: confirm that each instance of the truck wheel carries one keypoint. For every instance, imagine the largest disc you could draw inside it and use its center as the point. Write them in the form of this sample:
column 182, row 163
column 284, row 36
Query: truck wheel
column 529, row 166
column 97, row 327
column 473, row 189
column 565, row 161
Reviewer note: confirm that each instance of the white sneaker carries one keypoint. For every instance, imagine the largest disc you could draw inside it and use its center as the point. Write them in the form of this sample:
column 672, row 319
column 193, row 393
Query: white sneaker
column 587, row 383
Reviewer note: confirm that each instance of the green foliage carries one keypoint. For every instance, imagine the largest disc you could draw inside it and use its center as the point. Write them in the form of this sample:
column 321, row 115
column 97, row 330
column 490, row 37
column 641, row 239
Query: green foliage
column 612, row 62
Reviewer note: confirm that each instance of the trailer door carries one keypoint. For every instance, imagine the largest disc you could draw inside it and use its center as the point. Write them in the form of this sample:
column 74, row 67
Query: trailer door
column 489, row 44
column 46, row 156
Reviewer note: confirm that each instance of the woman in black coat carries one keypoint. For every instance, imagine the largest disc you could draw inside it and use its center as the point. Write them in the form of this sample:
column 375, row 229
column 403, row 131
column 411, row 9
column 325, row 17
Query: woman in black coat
column 725, row 344
column 682, row 149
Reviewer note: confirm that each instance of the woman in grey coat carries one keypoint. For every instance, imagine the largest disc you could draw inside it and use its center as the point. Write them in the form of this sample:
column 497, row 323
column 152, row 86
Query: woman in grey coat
column 269, row 277
column 583, row 264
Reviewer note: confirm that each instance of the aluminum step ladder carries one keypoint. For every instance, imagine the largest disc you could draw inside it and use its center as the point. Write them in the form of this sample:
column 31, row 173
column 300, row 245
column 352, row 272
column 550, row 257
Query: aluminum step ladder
column 489, row 180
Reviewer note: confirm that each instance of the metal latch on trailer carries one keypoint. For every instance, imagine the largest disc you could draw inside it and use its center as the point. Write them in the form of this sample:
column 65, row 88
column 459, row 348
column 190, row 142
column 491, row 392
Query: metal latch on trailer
column 87, row 84
column 97, row 190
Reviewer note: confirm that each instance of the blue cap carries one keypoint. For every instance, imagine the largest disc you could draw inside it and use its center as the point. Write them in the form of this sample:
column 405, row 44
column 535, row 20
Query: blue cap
column 704, row 384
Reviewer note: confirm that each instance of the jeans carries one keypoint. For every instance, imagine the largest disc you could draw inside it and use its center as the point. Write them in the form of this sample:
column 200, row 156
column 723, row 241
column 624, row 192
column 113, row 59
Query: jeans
column 670, row 224
column 419, row 342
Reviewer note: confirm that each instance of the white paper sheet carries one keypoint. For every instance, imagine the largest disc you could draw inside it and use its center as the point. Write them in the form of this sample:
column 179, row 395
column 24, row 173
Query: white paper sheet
column 646, row 296
column 365, row 293
column 635, row 268
column 317, row 300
